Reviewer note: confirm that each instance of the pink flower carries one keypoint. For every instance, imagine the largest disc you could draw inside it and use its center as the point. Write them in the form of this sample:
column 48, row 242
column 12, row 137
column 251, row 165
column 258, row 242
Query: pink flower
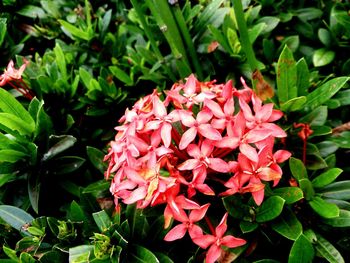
column 217, row 240
column 11, row 73
column 187, row 224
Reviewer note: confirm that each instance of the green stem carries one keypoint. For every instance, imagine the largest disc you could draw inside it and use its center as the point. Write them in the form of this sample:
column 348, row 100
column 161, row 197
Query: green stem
column 188, row 40
column 244, row 36
column 162, row 13
column 148, row 32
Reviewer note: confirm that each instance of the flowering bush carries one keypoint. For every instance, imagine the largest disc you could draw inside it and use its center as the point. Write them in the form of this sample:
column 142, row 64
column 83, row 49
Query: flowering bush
column 202, row 141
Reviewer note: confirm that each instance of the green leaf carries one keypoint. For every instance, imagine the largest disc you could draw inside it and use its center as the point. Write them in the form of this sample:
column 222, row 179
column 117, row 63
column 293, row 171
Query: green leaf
column 163, row 258
column 317, row 117
column 64, row 143
column 323, row 57
column 76, row 213
column 142, row 255
column 3, row 29
column 338, row 190
column 61, row 61
column 15, row 217
column 321, row 94
column 67, row 164
column 15, row 123
column 26, row 258
column 236, row 207
column 306, row 186
column 289, row 194
column 323, row 208
column 302, row 251
column 308, row 13
column 324, row 36
column 297, row 168
column 270, row 209
column 343, row 220
column 137, row 221
column 5, row 178
column 286, row 76
column 326, row 178
column 342, row 140
column 121, row 75
column 294, row 104
column 76, row 32
column 34, row 186
column 270, row 21
column 96, row 158
column 10, row 253
column 32, row 11
column 288, row 225
column 102, row 220
column 247, row 227
column 80, row 254
column 97, row 187
column 11, row 156
column 303, row 80
column 327, row 250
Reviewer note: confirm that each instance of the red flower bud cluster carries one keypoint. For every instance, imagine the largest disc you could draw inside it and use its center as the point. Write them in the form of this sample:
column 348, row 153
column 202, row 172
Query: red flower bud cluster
column 166, row 151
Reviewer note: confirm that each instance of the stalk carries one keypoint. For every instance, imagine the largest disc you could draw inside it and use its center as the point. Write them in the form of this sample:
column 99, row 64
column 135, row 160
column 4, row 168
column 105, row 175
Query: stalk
column 148, row 32
column 188, row 40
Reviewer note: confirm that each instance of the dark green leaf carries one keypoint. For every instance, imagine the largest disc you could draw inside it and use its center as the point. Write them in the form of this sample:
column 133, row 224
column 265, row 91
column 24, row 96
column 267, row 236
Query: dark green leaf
column 308, row 13
column 142, row 255
column 270, row 21
column 323, row 208
column 324, row 92
column 137, row 221
column 306, row 185
column 5, row 178
column 317, row 117
column 302, row 251
column 326, row 178
column 34, row 186
column 286, row 76
column 247, row 227
column 15, row 217
column 325, row 36
column 270, row 209
column 322, row 57
column 163, row 258
column 338, row 190
column 67, row 164
column 64, row 143
column 75, row 32
column 3, row 29
column 327, row 250
column 288, row 225
column 326, row 148
column 96, row 158
column 297, row 168
column 343, row 220
column 342, row 140
column 236, row 207
column 61, row 61
column 303, row 80
column 76, row 213
column 289, row 194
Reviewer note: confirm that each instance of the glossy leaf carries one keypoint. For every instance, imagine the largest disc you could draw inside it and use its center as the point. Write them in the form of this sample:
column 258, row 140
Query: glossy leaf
column 15, row 123
column 323, row 208
column 302, row 251
column 317, row 117
column 121, row 75
column 337, row 190
column 323, row 57
column 327, row 250
column 286, row 76
column 343, row 220
column 142, row 255
column 294, row 104
column 306, row 185
column 288, row 225
column 297, row 168
column 15, row 217
column 247, row 227
column 67, row 164
column 5, row 178
column 321, row 94
column 303, row 80
column 34, row 186
column 64, row 143
column 270, row 209
column 289, row 194
column 96, row 158
column 11, row 156
column 80, row 254
column 326, row 178
column 3, row 29
column 102, row 220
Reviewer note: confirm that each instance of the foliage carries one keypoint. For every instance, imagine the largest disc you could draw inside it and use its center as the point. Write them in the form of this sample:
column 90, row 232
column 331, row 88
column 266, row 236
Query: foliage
column 71, row 68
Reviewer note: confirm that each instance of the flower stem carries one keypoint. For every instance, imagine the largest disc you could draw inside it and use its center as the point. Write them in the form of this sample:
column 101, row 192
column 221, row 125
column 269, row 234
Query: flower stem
column 210, row 225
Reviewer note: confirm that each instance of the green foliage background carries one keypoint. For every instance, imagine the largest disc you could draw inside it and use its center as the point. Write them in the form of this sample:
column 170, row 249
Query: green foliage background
column 90, row 61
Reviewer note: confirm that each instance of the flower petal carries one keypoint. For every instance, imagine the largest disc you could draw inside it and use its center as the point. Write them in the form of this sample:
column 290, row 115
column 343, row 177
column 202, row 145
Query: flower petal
column 219, row 165
column 177, row 232
column 198, row 214
column 209, row 132
column 213, row 254
column 187, row 137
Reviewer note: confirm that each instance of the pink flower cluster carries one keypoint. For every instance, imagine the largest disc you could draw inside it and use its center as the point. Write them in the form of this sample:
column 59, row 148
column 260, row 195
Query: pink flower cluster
column 166, row 151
